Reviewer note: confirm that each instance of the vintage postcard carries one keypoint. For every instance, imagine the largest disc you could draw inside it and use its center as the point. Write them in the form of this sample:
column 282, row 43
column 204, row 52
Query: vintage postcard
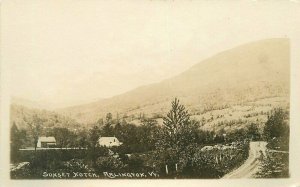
column 149, row 92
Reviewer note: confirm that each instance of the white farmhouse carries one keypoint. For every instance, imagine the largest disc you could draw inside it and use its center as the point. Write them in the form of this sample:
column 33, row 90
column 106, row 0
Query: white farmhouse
column 44, row 141
column 109, row 141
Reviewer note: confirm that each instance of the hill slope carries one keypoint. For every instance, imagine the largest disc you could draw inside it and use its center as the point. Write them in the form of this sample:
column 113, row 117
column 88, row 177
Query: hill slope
column 242, row 74
column 48, row 119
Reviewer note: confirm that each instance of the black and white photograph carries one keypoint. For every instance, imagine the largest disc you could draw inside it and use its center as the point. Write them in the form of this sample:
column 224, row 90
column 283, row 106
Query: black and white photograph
column 148, row 90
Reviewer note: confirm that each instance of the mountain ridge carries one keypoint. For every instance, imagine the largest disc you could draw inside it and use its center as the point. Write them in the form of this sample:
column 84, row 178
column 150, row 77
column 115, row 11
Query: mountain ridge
column 225, row 78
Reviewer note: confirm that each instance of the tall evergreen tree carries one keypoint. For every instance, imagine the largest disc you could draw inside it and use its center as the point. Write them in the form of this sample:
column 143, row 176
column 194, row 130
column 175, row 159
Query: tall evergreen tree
column 276, row 125
column 178, row 135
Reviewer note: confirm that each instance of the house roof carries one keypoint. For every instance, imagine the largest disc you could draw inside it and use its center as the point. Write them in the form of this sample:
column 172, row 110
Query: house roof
column 107, row 139
column 47, row 139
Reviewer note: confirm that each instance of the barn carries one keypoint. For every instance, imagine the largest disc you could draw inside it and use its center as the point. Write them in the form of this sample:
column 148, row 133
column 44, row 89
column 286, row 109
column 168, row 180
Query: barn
column 44, row 141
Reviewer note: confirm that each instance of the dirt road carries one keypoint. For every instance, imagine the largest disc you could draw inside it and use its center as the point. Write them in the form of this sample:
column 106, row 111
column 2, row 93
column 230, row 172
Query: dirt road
column 251, row 165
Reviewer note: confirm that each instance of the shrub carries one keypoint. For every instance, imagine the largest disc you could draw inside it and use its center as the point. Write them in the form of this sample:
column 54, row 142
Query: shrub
column 276, row 165
column 215, row 163
column 110, row 164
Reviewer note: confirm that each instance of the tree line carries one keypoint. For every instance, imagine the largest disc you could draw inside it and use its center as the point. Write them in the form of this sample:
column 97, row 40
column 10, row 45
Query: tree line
column 176, row 144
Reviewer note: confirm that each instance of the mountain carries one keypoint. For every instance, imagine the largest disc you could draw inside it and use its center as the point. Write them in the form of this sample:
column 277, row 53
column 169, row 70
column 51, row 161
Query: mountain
column 27, row 103
column 42, row 104
column 243, row 74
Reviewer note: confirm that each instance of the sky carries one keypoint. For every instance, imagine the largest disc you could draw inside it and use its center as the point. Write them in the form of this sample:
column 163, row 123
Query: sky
column 68, row 52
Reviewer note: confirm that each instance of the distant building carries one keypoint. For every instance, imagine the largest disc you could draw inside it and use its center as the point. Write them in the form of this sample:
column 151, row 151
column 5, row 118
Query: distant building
column 46, row 142
column 109, row 141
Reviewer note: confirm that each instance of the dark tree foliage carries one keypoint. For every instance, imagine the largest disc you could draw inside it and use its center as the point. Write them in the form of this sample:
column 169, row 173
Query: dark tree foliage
column 276, row 125
column 18, row 138
column 82, row 139
column 147, row 133
column 93, row 138
column 109, row 118
column 131, row 137
column 135, row 139
column 276, row 129
column 64, row 137
column 117, row 131
column 35, row 126
column 177, row 138
column 237, row 135
column 253, row 132
column 178, row 129
column 107, row 129
column 109, row 164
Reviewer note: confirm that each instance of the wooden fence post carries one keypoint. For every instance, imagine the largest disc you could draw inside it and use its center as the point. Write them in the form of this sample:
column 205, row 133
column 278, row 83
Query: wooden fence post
column 167, row 169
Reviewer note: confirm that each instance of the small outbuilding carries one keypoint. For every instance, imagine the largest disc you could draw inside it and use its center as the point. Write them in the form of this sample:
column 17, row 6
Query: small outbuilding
column 45, row 142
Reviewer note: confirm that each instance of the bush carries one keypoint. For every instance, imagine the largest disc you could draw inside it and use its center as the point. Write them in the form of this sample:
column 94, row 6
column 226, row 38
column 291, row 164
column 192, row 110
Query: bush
column 77, row 165
column 215, row 163
column 109, row 164
column 276, row 165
